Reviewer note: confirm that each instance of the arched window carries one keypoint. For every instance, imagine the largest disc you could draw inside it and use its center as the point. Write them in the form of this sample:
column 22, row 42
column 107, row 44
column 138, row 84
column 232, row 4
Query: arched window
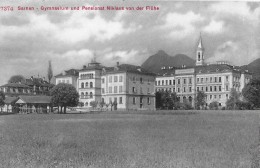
column 82, row 94
column 86, row 104
column 91, row 84
column 198, row 56
column 184, row 99
column 82, row 85
column 86, row 94
column 86, row 84
column 190, row 99
column 91, row 95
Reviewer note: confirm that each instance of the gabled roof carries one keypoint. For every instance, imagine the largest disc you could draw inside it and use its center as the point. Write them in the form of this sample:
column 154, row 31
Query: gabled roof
column 17, row 85
column 129, row 68
column 68, row 73
column 217, row 68
column 35, row 99
column 9, row 100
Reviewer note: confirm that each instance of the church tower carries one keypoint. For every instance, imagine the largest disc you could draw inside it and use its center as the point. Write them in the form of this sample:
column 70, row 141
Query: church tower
column 200, row 53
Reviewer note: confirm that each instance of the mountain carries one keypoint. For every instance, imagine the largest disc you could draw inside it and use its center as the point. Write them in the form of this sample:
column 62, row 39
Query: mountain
column 155, row 62
column 254, row 67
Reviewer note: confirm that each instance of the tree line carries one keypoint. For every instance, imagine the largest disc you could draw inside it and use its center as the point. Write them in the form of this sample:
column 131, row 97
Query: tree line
column 65, row 95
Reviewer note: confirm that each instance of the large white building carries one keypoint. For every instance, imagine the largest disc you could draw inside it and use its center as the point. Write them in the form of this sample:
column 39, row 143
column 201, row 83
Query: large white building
column 129, row 87
column 216, row 80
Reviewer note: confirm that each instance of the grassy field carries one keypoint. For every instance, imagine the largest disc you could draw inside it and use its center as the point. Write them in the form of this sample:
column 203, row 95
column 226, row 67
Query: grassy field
column 204, row 139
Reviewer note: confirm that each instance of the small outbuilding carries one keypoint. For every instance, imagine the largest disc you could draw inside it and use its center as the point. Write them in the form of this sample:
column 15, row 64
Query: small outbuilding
column 34, row 104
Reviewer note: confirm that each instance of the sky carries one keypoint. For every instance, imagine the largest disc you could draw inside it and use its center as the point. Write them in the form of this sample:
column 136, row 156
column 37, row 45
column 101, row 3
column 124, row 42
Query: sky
column 29, row 39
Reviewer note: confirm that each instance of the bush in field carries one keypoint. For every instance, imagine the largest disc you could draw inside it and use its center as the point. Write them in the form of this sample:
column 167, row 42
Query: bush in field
column 93, row 104
column 80, row 104
column 166, row 100
column 213, row 105
column 183, row 106
column 232, row 102
column 64, row 95
column 251, row 92
column 200, row 100
column 102, row 104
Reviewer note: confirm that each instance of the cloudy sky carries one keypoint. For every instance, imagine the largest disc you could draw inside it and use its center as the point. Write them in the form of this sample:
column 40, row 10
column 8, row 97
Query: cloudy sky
column 28, row 39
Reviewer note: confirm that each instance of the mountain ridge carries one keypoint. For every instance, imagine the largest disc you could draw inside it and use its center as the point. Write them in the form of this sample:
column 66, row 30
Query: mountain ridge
column 161, row 59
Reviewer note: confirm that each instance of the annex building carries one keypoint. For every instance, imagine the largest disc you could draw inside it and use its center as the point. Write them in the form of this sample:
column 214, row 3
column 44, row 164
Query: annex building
column 128, row 86
column 215, row 80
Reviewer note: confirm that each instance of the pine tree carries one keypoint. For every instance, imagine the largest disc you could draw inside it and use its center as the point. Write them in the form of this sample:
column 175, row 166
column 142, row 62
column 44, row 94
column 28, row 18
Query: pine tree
column 50, row 73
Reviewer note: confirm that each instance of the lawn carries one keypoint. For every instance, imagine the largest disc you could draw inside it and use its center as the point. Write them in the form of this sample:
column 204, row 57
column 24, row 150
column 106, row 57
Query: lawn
column 202, row 139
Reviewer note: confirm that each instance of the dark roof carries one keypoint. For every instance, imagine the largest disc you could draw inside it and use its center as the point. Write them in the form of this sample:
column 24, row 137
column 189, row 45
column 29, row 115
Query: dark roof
column 98, row 67
column 17, row 85
column 166, row 72
column 36, row 99
column 37, row 82
column 68, row 73
column 129, row 68
column 211, row 68
column 9, row 100
column 218, row 68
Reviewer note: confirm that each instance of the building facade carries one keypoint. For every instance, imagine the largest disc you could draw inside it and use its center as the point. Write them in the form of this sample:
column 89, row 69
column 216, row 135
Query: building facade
column 89, row 83
column 215, row 80
column 129, row 87
column 32, row 86
column 69, row 76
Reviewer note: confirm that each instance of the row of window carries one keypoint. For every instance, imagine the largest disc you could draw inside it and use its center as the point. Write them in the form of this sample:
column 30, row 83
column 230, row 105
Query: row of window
column 120, row 100
column 141, row 100
column 134, row 90
column 210, row 79
column 165, row 82
column 189, row 89
column 63, row 81
column 85, row 85
column 113, row 79
column 86, row 95
column 210, row 97
column 117, row 89
column 87, row 76
column 135, row 79
column 211, row 88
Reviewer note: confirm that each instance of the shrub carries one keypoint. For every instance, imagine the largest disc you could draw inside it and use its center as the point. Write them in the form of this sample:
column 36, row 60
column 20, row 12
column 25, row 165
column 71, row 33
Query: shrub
column 183, row 106
column 213, row 105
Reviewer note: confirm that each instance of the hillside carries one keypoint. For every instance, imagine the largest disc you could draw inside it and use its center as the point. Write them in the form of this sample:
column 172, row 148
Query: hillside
column 254, row 67
column 160, row 59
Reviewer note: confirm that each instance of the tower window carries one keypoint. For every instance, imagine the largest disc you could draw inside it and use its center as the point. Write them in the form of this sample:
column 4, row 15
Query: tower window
column 199, row 56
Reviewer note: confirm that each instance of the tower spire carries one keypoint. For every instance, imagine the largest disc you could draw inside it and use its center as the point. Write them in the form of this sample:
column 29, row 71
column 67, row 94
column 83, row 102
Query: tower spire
column 200, row 53
column 200, row 42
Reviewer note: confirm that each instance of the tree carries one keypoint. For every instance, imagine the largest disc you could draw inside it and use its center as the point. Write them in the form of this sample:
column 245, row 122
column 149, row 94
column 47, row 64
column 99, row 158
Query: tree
column 16, row 79
column 93, row 104
column 233, row 101
column 102, row 104
column 80, row 104
column 200, row 99
column 50, row 73
column 158, row 99
column 2, row 98
column 166, row 100
column 64, row 95
column 213, row 105
column 251, row 92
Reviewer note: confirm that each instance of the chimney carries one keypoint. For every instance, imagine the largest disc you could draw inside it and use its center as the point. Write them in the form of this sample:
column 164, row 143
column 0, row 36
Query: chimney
column 117, row 63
